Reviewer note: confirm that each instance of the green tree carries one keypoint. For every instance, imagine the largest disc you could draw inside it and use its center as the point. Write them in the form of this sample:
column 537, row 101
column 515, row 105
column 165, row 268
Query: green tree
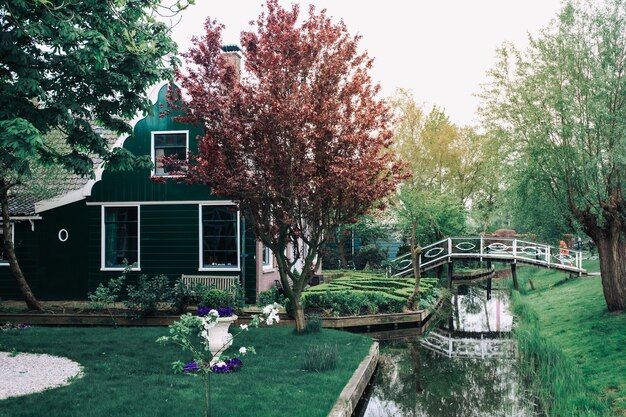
column 66, row 65
column 561, row 106
column 446, row 166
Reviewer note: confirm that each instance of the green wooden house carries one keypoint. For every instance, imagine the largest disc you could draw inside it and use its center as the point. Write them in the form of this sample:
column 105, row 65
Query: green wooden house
column 69, row 244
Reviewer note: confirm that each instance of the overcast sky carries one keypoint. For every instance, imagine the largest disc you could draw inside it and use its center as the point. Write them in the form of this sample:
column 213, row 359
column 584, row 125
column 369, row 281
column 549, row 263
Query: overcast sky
column 439, row 49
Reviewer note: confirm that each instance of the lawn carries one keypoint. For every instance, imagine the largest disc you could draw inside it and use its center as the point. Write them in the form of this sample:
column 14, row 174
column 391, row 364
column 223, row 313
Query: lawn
column 127, row 373
column 572, row 314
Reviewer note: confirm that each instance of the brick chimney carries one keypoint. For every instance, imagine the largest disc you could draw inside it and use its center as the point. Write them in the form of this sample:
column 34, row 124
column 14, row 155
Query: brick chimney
column 233, row 54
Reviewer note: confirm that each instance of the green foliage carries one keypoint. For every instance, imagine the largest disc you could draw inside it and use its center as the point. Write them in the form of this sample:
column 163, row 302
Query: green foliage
column 239, row 296
column 355, row 293
column 350, row 303
column 320, row 358
column 181, row 297
column 67, row 67
column 564, row 129
column 104, row 296
column 313, row 324
column 214, row 298
column 271, row 296
column 553, row 377
column 148, row 295
column 369, row 256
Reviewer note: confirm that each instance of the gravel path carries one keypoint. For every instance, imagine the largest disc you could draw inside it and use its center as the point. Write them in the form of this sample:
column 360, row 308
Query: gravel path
column 27, row 373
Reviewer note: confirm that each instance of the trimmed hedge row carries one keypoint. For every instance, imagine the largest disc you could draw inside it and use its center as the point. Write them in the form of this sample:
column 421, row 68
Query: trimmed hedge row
column 356, row 293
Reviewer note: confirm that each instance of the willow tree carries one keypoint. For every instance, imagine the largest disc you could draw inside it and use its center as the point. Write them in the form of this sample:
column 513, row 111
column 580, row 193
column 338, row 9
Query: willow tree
column 298, row 141
column 561, row 105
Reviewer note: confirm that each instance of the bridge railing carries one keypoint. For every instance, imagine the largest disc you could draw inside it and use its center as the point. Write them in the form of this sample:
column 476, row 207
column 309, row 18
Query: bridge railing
column 490, row 248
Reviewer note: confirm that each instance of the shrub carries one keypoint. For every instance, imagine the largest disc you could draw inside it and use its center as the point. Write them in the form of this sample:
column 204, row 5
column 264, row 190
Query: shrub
column 146, row 298
column 320, row 358
column 181, row 297
column 349, row 303
column 239, row 296
column 104, row 296
column 369, row 256
column 271, row 296
column 214, row 298
column 313, row 324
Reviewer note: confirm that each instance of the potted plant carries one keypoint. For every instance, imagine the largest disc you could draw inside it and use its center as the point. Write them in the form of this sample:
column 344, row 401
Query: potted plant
column 216, row 323
column 216, row 309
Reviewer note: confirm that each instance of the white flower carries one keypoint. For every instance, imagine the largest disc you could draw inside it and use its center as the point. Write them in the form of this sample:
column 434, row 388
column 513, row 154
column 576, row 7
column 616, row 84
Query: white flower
column 267, row 310
column 244, row 327
column 243, row 350
column 209, row 322
column 214, row 313
column 220, row 364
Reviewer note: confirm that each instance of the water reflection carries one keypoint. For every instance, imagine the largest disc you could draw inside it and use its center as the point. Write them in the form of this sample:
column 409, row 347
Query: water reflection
column 464, row 369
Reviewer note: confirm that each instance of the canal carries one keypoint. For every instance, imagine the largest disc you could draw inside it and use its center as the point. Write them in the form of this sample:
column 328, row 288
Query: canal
column 464, row 367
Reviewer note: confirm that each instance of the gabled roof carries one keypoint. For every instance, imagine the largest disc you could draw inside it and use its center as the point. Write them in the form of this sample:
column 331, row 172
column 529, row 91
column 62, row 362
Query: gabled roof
column 58, row 183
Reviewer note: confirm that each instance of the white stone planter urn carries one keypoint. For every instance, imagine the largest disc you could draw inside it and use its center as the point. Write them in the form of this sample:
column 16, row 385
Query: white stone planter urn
column 218, row 336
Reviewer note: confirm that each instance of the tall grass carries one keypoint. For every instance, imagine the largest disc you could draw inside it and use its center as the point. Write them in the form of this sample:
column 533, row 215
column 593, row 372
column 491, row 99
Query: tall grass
column 555, row 380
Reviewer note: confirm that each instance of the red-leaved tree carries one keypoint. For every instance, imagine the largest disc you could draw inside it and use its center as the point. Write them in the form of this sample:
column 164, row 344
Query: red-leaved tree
column 299, row 140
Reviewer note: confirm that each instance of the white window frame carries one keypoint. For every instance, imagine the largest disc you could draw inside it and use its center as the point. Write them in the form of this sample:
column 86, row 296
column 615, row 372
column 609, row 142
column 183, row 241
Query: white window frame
column 153, row 157
column 270, row 257
column 136, row 266
column 5, row 262
column 201, row 267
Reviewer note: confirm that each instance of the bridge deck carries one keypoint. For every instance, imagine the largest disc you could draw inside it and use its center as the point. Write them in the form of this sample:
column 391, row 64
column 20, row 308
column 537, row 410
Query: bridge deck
column 492, row 249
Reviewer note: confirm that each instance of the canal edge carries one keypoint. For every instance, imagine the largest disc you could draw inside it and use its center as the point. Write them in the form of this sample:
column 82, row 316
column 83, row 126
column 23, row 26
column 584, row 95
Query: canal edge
column 352, row 392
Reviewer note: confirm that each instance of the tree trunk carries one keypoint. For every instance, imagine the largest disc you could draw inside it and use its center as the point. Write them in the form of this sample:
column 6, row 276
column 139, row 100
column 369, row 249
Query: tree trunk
column 299, row 314
column 416, row 250
column 612, row 254
column 31, row 302
column 341, row 250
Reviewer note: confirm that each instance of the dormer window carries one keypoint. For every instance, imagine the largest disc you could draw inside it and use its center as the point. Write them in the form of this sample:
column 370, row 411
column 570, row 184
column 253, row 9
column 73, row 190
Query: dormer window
column 167, row 145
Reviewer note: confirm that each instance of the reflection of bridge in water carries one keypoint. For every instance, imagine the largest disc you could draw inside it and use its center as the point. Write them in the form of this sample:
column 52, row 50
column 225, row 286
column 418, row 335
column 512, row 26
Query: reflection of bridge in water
column 478, row 327
column 447, row 344
column 491, row 249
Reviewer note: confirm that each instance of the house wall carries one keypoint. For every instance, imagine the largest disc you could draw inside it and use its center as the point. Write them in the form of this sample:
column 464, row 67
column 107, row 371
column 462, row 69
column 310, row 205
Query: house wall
column 54, row 269
column 267, row 276
column 169, row 232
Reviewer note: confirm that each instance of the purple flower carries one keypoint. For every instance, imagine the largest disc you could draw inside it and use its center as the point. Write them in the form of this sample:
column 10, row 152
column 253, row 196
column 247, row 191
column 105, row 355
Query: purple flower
column 228, row 366
column 221, row 368
column 234, row 363
column 190, row 367
column 226, row 311
column 203, row 311
column 221, row 311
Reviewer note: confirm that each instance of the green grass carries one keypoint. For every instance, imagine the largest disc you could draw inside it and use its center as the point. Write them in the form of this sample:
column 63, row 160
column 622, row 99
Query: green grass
column 571, row 316
column 128, row 374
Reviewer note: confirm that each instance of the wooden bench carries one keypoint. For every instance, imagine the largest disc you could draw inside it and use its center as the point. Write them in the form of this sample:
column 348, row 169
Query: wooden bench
column 226, row 283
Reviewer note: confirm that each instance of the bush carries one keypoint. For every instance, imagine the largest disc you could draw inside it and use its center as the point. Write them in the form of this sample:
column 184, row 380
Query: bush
column 369, row 256
column 350, row 303
column 239, row 296
column 271, row 296
column 214, row 298
column 149, row 294
column 320, row 358
column 313, row 324
column 104, row 296
column 181, row 297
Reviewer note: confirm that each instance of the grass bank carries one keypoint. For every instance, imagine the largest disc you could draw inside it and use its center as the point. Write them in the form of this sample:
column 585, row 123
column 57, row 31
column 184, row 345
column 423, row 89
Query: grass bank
column 573, row 350
column 127, row 373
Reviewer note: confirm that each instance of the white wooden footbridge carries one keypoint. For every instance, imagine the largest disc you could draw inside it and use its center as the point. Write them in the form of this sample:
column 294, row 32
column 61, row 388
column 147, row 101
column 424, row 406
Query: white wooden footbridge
column 495, row 249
